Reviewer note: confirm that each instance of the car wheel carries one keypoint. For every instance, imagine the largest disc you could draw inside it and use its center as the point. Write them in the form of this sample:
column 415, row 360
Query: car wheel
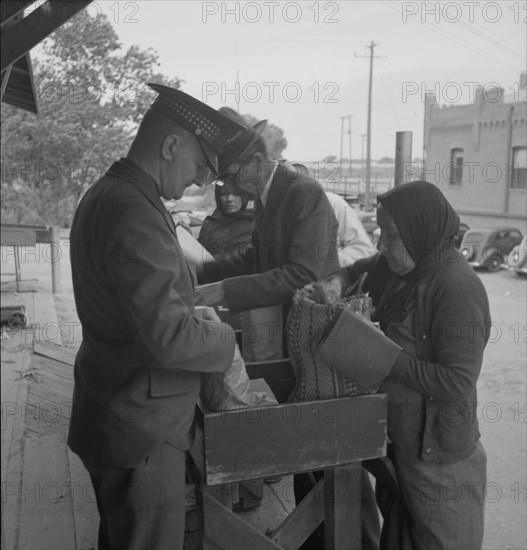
column 17, row 319
column 494, row 264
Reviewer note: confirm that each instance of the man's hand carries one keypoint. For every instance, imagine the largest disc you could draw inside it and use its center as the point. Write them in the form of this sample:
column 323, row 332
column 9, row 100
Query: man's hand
column 209, row 295
column 206, row 313
column 325, row 292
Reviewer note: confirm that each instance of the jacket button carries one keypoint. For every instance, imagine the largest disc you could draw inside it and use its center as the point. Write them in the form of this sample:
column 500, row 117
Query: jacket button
column 428, row 451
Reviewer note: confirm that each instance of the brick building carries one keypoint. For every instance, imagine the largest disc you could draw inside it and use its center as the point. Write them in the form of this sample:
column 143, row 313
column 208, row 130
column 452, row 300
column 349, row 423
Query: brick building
column 477, row 155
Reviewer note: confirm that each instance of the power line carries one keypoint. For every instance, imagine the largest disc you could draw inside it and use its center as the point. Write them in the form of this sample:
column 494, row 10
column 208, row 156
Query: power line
column 453, row 38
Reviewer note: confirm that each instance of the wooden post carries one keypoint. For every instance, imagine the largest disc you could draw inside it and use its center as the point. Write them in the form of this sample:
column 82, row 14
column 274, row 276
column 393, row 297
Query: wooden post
column 54, row 239
column 403, row 157
column 342, row 507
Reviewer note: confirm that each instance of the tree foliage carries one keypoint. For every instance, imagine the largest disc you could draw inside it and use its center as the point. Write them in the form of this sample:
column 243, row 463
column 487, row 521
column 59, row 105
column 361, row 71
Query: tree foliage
column 91, row 94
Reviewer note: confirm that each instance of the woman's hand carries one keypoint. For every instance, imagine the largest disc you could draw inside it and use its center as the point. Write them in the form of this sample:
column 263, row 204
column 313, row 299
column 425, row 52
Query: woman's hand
column 325, row 292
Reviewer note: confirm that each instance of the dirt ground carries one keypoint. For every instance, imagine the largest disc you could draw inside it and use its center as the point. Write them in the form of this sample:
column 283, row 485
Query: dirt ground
column 502, row 412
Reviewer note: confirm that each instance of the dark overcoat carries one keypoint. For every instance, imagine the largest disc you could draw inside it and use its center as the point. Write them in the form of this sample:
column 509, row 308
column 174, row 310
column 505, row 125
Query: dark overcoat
column 137, row 372
column 294, row 243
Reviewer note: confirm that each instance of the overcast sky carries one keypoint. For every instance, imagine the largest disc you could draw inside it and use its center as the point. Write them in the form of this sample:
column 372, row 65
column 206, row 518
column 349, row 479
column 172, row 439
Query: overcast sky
column 297, row 64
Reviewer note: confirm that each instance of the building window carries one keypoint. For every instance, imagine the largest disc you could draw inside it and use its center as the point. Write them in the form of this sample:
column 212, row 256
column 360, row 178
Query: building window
column 519, row 167
column 456, row 167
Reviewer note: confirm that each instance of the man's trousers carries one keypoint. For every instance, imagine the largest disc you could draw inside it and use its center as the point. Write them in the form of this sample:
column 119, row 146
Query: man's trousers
column 143, row 507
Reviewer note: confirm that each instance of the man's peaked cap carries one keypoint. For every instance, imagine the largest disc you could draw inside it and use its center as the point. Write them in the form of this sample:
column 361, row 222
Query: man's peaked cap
column 206, row 123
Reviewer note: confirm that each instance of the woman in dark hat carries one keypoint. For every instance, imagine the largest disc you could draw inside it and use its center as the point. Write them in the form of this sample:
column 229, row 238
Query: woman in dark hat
column 227, row 231
column 430, row 301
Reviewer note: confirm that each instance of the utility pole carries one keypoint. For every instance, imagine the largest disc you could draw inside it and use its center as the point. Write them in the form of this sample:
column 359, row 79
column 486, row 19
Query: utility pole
column 349, row 135
column 342, row 118
column 368, row 144
column 363, row 139
column 237, row 78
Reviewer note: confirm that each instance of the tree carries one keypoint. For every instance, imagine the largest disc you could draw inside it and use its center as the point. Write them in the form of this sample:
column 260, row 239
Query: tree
column 92, row 94
column 331, row 159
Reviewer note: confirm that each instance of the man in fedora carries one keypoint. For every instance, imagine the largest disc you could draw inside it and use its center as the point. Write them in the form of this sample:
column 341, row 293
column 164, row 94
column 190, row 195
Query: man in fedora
column 294, row 243
column 295, row 235
column 145, row 346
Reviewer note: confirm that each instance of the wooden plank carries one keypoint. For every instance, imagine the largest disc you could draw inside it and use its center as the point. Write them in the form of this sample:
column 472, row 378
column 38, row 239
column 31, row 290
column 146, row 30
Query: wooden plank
column 48, row 406
column 47, row 328
column 224, row 530
column 48, row 491
column 15, row 394
column 17, row 236
column 293, row 438
column 56, row 352
column 284, row 494
column 342, row 511
column 41, row 231
column 46, row 515
column 302, row 521
column 32, row 29
column 269, row 515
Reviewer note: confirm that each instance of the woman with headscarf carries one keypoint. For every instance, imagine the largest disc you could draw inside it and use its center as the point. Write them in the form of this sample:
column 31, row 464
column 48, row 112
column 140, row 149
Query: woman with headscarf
column 430, row 302
column 227, row 231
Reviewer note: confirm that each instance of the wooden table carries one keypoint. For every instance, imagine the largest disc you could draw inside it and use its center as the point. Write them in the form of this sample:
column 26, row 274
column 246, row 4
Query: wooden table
column 333, row 435
column 23, row 235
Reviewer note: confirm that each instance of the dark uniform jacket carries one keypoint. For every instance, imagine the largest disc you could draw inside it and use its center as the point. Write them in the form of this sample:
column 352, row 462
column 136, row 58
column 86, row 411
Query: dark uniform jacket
column 137, row 372
column 294, row 243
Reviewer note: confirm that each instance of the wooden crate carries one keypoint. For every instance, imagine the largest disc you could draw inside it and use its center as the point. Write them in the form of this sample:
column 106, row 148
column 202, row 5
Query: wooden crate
column 333, row 435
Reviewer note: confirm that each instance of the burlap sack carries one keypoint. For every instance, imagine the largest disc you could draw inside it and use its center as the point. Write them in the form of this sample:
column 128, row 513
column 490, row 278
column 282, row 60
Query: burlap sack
column 307, row 323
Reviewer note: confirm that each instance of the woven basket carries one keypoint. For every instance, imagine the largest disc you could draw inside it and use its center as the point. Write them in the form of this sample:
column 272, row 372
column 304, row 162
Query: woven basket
column 307, row 324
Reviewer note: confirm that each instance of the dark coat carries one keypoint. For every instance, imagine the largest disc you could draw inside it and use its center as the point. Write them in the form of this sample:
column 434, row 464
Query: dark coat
column 226, row 236
column 451, row 329
column 294, row 243
column 137, row 373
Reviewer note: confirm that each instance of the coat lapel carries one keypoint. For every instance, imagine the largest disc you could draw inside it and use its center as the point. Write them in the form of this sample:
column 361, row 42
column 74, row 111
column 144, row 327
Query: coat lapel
column 279, row 187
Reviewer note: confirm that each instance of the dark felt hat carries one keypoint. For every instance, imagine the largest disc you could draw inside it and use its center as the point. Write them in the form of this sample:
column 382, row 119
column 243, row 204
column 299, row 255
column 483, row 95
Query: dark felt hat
column 207, row 123
column 242, row 143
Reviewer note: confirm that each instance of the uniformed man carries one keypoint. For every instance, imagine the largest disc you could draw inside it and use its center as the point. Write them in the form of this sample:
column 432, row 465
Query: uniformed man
column 145, row 347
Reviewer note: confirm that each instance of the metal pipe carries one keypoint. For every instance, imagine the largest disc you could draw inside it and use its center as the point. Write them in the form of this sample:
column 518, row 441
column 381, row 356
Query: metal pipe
column 54, row 238
column 403, row 157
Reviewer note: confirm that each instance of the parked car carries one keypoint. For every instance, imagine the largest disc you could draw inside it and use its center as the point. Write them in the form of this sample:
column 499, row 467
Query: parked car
column 489, row 248
column 518, row 258
column 463, row 228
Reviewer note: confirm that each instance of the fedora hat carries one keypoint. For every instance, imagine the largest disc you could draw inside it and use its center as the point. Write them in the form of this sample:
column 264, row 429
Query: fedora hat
column 236, row 148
